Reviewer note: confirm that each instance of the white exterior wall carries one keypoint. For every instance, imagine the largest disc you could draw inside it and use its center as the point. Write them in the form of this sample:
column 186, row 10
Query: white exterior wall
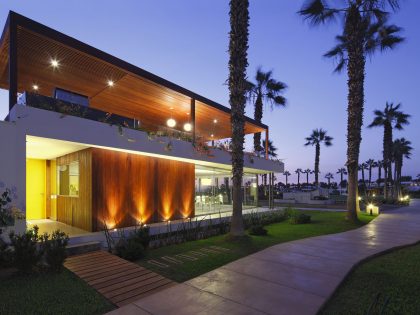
column 13, row 162
column 25, row 120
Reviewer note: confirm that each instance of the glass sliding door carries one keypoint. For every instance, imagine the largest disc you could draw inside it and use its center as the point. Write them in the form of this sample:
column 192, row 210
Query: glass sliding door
column 213, row 190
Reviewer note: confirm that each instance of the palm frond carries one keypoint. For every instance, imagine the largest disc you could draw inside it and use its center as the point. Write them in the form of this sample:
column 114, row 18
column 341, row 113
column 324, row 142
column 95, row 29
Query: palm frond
column 317, row 12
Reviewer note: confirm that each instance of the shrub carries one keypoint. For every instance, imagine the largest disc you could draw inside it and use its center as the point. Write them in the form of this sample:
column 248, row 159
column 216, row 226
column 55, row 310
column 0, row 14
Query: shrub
column 5, row 253
column 26, row 253
column 300, row 218
column 142, row 235
column 257, row 230
column 55, row 249
column 129, row 248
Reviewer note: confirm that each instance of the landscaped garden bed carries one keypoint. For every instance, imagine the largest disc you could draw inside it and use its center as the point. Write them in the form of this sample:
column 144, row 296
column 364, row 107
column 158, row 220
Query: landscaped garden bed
column 322, row 222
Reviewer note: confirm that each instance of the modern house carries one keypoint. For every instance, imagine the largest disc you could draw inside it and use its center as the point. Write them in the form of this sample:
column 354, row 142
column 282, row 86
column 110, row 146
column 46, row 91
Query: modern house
column 91, row 140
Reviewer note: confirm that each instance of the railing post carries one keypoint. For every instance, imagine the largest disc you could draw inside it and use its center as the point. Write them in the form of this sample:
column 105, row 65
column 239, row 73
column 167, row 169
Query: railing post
column 266, row 144
column 192, row 114
column 13, row 67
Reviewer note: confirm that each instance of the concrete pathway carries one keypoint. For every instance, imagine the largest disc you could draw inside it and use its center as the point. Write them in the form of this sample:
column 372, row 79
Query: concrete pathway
column 291, row 278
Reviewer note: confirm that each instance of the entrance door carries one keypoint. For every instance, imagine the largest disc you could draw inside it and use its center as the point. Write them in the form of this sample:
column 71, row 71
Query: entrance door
column 35, row 189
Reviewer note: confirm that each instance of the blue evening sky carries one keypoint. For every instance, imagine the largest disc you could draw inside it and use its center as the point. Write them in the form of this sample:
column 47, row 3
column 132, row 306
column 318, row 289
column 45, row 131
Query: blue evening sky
column 185, row 41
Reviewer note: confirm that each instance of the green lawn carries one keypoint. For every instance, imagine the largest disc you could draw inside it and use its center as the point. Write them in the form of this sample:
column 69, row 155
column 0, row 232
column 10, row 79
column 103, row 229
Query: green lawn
column 396, row 276
column 50, row 293
column 323, row 222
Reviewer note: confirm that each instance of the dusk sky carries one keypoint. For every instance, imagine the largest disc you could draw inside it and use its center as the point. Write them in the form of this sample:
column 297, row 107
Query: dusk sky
column 186, row 42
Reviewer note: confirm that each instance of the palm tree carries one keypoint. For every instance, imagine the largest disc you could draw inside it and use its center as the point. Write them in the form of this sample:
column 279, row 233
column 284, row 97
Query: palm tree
column 401, row 149
column 329, row 176
column 287, row 174
column 342, row 171
column 380, row 165
column 298, row 171
column 264, row 90
column 365, row 31
column 318, row 137
column 389, row 119
column 272, row 150
column 362, row 167
column 238, row 62
column 307, row 172
column 370, row 165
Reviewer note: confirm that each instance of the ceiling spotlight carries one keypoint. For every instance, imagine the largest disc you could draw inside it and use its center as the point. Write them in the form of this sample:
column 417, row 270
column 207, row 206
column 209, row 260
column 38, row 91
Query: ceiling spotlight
column 188, row 113
column 215, row 121
column 171, row 122
column 187, row 127
column 35, row 87
column 54, row 63
column 212, row 135
column 110, row 83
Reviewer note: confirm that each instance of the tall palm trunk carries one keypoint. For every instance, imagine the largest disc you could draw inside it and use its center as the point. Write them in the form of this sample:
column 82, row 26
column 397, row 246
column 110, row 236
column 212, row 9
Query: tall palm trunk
column 379, row 175
column 316, row 169
column 298, row 179
column 286, row 179
column 258, row 113
column 356, row 77
column 307, row 179
column 238, row 47
column 370, row 176
column 387, row 155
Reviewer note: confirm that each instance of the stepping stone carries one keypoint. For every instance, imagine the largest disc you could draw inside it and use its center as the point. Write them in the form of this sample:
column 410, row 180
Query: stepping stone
column 157, row 263
column 194, row 253
column 186, row 257
column 208, row 250
column 220, row 248
column 172, row 260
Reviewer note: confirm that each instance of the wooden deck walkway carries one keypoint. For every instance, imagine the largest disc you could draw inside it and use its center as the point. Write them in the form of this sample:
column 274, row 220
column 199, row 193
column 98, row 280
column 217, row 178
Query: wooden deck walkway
column 118, row 280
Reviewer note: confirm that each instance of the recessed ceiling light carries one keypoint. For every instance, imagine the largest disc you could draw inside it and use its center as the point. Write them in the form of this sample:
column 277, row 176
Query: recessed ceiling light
column 187, row 127
column 110, row 83
column 171, row 108
column 215, row 121
column 212, row 135
column 35, row 87
column 171, row 122
column 54, row 63
column 188, row 113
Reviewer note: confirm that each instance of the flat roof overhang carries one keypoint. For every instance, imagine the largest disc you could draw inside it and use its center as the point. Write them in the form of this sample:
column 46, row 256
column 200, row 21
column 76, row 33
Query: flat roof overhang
column 83, row 69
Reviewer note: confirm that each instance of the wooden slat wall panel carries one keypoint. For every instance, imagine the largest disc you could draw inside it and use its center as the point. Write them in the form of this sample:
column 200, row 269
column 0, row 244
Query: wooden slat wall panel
column 127, row 188
column 77, row 211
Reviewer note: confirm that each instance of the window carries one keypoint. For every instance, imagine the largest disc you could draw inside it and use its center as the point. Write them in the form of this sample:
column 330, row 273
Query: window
column 68, row 179
column 71, row 97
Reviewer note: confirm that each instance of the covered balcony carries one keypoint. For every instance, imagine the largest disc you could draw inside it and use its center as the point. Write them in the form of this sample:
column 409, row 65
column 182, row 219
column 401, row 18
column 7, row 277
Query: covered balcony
column 62, row 74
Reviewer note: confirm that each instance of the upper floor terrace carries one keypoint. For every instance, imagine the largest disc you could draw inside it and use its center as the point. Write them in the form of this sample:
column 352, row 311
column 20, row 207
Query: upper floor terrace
column 49, row 65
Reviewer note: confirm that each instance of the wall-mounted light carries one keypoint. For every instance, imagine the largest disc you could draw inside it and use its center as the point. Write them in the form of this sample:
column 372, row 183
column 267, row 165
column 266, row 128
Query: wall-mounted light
column 171, row 122
column 187, row 127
